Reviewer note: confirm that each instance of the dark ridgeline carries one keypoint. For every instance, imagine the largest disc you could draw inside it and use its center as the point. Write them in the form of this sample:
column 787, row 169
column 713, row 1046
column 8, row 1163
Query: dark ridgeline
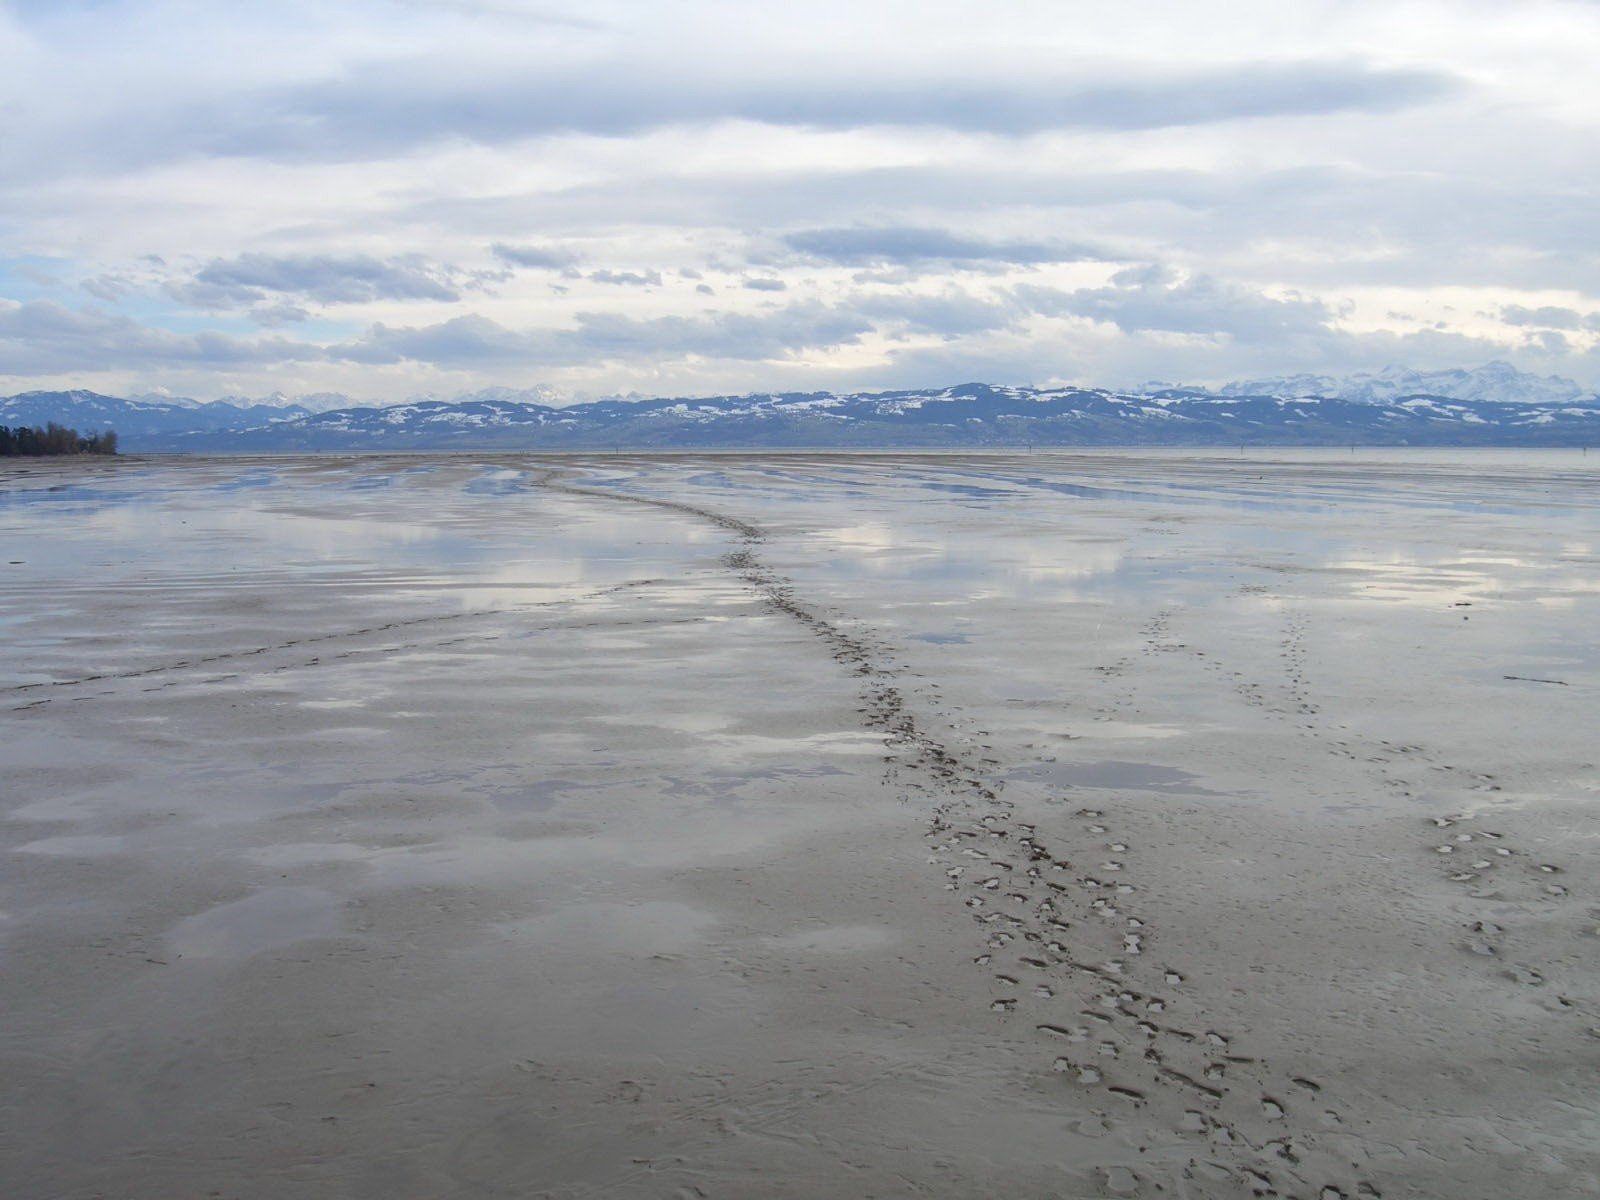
column 53, row 439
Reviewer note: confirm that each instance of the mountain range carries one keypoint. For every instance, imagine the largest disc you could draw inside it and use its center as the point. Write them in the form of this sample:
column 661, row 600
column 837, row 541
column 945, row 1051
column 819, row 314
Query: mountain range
column 1496, row 381
column 1492, row 405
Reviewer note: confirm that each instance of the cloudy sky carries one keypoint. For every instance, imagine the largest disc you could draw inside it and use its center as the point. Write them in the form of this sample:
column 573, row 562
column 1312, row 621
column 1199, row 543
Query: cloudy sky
column 393, row 197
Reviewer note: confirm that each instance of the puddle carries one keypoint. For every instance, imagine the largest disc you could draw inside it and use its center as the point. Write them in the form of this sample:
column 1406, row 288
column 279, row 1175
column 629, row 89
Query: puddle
column 88, row 845
column 649, row 927
column 248, row 482
column 1110, row 773
column 269, row 919
column 540, row 796
column 309, row 854
column 502, row 482
column 1113, row 730
column 746, row 745
column 69, row 493
column 727, row 784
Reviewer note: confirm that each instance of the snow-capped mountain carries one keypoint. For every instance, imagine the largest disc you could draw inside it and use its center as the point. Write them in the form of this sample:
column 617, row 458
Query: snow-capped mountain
column 315, row 401
column 1498, row 382
column 139, row 420
column 537, row 394
column 969, row 415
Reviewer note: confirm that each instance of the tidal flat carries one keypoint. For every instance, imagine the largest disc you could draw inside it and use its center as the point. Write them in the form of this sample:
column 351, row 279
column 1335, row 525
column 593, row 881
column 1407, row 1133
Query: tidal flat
column 1030, row 825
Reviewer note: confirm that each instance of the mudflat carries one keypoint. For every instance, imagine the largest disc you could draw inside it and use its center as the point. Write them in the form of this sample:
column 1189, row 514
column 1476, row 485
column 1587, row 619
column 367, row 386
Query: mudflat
column 1115, row 824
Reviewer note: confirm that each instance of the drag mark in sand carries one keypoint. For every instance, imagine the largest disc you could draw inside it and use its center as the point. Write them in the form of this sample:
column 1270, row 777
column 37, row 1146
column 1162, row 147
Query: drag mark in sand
column 319, row 639
column 1064, row 947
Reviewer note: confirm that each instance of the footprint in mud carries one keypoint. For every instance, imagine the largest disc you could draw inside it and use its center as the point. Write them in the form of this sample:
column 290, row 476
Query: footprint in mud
column 1482, row 940
column 1193, row 1121
column 1485, row 870
column 1119, row 1181
column 1081, row 1072
column 1078, row 1033
column 1035, row 906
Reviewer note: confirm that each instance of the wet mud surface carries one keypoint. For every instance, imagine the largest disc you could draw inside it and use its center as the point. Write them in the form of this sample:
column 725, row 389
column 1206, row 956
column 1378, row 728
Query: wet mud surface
column 802, row 826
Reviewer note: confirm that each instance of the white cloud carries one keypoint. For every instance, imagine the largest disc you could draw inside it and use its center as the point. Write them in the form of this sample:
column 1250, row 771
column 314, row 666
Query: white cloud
column 626, row 195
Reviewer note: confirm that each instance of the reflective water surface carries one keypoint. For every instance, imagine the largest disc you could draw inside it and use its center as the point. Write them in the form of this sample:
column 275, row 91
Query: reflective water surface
column 416, row 827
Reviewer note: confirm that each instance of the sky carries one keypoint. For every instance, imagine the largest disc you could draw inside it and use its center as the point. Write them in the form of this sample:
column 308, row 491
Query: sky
column 391, row 198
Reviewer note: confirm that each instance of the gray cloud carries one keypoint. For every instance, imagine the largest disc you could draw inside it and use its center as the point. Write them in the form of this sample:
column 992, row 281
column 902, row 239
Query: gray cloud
column 864, row 246
column 42, row 337
column 416, row 102
column 380, row 109
column 1550, row 317
column 626, row 278
column 1146, row 301
column 106, row 287
column 1284, row 167
column 547, row 257
column 251, row 279
column 953, row 314
column 516, row 12
column 282, row 313
column 1387, row 225
column 1548, row 341
column 1233, row 331
column 610, row 337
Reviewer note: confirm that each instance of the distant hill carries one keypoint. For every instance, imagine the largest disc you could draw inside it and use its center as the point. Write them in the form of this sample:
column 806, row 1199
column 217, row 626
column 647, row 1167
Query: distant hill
column 971, row 415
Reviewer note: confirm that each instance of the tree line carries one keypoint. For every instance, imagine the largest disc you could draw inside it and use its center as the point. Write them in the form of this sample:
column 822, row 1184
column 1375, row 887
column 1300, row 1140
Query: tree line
column 54, row 439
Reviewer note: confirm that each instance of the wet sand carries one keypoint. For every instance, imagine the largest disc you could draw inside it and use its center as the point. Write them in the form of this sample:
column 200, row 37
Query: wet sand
column 801, row 826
